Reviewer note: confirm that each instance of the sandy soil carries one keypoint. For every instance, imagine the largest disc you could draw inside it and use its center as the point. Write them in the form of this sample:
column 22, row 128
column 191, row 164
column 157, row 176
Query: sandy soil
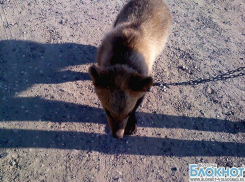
column 52, row 127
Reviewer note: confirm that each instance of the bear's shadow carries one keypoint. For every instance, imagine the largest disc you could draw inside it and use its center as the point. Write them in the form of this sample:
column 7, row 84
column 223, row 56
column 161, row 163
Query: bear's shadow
column 25, row 63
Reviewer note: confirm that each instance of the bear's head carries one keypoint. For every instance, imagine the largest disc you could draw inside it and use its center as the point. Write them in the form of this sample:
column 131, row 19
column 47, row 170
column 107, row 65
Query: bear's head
column 119, row 88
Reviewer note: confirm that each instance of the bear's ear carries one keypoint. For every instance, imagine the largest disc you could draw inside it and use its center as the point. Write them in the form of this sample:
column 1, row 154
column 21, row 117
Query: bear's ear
column 97, row 76
column 93, row 71
column 140, row 83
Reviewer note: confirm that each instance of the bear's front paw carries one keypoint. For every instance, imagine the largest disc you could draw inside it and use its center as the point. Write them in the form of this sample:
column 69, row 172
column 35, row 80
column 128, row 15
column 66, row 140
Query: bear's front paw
column 131, row 127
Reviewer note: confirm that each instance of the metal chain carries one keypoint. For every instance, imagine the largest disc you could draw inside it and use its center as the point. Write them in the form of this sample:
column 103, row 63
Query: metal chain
column 230, row 74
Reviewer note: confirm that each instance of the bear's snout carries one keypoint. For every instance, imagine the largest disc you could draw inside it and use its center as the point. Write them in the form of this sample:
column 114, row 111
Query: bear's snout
column 118, row 134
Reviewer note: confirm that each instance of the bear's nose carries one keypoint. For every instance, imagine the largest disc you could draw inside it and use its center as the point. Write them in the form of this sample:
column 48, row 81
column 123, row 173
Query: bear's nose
column 119, row 134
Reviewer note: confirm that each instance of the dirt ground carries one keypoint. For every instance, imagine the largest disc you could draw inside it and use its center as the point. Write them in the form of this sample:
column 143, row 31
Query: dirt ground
column 52, row 126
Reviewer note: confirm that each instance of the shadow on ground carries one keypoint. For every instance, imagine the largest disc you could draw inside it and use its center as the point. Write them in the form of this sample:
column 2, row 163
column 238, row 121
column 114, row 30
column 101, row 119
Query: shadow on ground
column 24, row 64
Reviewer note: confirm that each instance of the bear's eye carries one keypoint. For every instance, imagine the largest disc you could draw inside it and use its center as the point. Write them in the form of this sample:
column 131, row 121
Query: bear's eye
column 108, row 113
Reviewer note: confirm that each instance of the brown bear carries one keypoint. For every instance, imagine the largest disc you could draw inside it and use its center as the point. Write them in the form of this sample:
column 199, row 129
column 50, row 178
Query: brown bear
column 125, row 58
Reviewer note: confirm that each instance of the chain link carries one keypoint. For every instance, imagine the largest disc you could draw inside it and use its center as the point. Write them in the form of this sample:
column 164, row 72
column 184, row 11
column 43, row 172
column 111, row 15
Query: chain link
column 230, row 74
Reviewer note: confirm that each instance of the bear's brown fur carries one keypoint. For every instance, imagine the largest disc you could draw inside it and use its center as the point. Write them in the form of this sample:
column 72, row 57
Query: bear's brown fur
column 125, row 60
